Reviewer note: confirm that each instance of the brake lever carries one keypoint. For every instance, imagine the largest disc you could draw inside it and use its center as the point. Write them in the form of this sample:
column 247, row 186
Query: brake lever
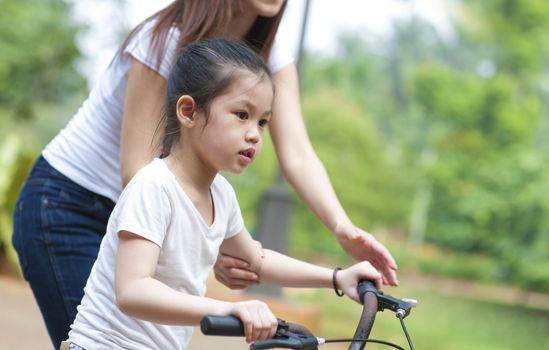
column 288, row 340
column 401, row 307
column 289, row 336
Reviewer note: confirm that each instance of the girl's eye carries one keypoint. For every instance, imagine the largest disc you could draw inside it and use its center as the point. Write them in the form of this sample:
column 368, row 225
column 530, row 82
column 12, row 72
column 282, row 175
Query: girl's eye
column 263, row 123
column 242, row 115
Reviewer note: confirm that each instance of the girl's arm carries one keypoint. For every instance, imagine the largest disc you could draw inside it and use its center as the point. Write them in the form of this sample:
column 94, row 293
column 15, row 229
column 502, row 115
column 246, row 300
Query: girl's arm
column 140, row 295
column 281, row 270
column 307, row 175
column 143, row 105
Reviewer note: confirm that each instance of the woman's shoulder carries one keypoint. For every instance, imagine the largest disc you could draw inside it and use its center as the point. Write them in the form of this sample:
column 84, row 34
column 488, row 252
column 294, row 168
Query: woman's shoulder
column 143, row 46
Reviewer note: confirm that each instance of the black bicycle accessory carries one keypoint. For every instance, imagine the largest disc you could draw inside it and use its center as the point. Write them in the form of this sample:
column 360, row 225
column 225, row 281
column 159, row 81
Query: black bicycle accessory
column 287, row 336
column 367, row 293
column 373, row 301
column 228, row 326
column 293, row 336
column 384, row 301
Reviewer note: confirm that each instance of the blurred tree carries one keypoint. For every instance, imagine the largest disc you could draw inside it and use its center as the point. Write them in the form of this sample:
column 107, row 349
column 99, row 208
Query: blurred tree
column 464, row 117
column 490, row 176
column 38, row 46
column 370, row 187
column 38, row 53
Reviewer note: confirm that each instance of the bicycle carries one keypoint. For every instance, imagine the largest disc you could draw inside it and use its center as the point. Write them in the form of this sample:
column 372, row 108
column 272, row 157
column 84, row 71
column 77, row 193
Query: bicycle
column 294, row 336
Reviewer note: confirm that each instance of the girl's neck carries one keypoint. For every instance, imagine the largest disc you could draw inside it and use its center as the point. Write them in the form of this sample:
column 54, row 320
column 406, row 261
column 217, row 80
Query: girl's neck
column 192, row 174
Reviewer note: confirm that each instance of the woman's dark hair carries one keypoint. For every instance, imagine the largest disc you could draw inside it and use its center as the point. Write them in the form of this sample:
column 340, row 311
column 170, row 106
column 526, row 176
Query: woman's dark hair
column 199, row 19
column 204, row 70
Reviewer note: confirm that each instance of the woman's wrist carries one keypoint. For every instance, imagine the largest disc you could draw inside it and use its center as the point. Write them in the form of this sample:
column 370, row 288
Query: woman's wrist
column 342, row 228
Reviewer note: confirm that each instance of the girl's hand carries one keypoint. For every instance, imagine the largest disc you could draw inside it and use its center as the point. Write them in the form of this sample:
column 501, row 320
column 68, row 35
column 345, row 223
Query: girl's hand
column 363, row 246
column 258, row 320
column 347, row 279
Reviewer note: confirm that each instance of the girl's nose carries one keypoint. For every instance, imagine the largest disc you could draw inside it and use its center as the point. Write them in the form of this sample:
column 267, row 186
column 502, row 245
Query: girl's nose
column 253, row 135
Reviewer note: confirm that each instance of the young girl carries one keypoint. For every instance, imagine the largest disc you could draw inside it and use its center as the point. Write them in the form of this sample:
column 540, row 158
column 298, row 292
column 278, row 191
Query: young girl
column 177, row 213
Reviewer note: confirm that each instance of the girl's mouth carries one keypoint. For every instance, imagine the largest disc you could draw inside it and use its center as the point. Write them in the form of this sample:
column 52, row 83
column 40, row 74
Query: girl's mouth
column 247, row 155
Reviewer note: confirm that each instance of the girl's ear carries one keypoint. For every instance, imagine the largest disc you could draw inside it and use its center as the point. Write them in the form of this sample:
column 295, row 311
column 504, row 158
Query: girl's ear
column 185, row 109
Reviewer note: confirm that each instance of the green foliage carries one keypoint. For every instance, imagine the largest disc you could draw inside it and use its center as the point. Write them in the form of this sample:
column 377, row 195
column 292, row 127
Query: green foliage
column 516, row 31
column 467, row 266
column 38, row 46
column 489, row 180
column 37, row 65
column 15, row 161
column 466, row 121
column 366, row 183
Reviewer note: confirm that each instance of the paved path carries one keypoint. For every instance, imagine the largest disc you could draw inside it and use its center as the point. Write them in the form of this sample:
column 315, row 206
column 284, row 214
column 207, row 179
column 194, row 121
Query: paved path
column 21, row 325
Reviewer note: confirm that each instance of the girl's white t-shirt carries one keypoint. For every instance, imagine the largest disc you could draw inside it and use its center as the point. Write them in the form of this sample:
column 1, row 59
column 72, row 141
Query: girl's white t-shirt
column 154, row 206
column 87, row 150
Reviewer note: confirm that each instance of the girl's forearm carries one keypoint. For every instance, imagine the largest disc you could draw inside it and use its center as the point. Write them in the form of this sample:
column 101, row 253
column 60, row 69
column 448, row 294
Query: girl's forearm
column 151, row 300
column 281, row 270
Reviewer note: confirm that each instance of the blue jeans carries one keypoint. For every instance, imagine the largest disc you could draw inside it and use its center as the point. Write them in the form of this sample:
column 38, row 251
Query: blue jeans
column 75, row 347
column 57, row 229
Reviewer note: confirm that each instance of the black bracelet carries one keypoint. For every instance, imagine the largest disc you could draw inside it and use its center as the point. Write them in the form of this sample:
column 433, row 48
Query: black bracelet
column 334, row 282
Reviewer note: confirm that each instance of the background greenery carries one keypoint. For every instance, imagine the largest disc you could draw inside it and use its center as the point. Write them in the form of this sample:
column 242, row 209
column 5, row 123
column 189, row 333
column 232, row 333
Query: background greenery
column 436, row 145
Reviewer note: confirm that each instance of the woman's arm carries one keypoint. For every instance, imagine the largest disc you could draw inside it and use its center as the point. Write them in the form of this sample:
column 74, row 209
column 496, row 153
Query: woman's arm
column 143, row 104
column 140, row 295
column 307, row 175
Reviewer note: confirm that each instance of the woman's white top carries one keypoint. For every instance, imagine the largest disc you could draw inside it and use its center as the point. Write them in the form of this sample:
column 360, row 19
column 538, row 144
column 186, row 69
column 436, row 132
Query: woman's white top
column 154, row 206
column 87, row 150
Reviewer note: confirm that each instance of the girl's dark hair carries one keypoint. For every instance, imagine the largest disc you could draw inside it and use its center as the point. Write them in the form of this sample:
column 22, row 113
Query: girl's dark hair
column 204, row 70
column 199, row 19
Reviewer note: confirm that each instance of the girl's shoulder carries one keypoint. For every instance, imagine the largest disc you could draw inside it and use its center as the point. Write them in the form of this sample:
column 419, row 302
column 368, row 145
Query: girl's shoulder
column 156, row 172
column 220, row 183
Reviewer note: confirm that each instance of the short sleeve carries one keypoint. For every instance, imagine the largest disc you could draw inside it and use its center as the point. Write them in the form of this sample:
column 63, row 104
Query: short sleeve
column 236, row 222
column 139, row 48
column 280, row 56
column 144, row 210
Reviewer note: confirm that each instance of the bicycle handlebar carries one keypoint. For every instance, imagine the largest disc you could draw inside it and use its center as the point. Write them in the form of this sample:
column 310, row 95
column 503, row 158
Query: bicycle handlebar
column 288, row 335
column 294, row 336
column 228, row 326
column 367, row 293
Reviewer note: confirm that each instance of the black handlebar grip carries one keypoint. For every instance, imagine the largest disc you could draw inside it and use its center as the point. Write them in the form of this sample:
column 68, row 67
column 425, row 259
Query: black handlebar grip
column 365, row 286
column 229, row 326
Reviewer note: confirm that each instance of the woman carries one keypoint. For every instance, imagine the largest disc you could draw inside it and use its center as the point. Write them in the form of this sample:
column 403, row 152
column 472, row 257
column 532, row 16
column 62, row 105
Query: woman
column 63, row 208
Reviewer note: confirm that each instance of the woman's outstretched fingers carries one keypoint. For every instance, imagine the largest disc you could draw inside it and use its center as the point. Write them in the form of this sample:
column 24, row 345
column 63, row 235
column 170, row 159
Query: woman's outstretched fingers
column 363, row 246
column 382, row 260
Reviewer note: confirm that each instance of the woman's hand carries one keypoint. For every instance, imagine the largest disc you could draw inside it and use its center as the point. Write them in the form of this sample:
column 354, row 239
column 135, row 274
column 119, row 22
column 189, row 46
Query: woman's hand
column 363, row 246
column 347, row 279
column 234, row 273
column 258, row 320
